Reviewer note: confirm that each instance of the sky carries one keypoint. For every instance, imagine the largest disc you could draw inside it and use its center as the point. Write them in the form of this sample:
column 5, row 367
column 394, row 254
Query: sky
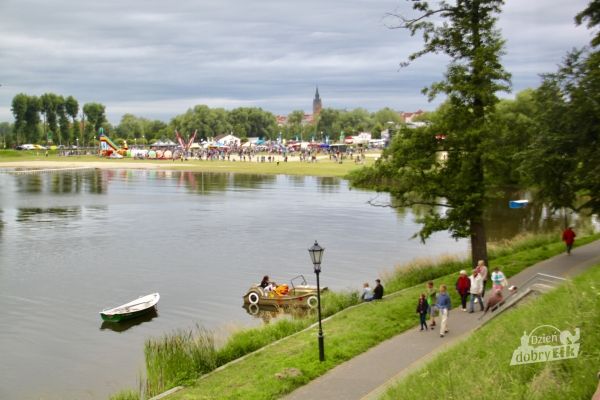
column 156, row 58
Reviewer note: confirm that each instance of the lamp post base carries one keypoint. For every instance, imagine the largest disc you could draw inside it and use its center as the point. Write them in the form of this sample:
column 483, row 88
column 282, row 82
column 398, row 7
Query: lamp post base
column 321, row 347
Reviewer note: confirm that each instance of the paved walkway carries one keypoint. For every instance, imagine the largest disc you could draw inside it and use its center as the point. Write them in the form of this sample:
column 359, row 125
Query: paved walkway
column 368, row 375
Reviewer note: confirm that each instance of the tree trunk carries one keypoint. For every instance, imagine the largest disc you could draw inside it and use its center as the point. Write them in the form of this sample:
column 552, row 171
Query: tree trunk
column 478, row 243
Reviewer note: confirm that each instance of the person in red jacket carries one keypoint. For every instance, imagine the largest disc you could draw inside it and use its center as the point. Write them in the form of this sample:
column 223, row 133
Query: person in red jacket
column 463, row 284
column 568, row 237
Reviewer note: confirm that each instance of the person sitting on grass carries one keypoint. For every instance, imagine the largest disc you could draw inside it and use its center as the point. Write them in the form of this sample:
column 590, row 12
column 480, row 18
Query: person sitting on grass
column 367, row 294
column 378, row 291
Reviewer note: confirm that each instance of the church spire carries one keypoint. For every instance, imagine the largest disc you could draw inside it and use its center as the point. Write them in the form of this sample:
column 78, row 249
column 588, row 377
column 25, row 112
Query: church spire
column 317, row 105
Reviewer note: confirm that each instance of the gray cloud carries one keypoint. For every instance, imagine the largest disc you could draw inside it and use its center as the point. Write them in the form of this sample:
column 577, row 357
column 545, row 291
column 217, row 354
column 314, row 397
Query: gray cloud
column 156, row 58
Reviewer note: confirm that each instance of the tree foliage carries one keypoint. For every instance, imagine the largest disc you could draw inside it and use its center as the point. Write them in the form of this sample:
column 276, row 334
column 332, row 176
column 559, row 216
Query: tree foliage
column 445, row 165
column 563, row 160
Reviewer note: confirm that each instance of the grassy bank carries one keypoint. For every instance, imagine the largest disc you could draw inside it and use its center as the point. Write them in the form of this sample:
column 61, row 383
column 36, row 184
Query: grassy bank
column 293, row 362
column 324, row 167
column 464, row 371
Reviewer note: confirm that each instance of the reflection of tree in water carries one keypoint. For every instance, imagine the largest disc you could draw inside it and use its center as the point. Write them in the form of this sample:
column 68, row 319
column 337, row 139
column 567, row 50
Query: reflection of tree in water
column 502, row 222
column 251, row 181
column 296, row 180
column 212, row 182
column 270, row 313
column 1, row 223
column 29, row 183
column 95, row 182
column 47, row 214
column 328, row 184
column 62, row 182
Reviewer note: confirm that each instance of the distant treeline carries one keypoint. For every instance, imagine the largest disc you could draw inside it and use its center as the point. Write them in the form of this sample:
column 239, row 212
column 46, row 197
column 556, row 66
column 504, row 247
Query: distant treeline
column 59, row 120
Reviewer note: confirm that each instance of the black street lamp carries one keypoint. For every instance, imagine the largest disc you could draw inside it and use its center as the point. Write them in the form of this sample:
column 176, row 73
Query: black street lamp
column 316, row 255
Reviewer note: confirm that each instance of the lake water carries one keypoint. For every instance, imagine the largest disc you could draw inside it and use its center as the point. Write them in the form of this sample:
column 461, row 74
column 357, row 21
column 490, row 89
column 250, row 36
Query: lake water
column 73, row 243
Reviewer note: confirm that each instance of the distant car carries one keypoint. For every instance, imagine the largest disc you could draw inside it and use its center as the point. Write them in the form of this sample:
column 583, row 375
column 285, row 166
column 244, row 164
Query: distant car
column 26, row 147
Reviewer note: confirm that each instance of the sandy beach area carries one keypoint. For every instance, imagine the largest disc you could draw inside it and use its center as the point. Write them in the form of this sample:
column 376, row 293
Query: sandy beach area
column 67, row 163
column 89, row 164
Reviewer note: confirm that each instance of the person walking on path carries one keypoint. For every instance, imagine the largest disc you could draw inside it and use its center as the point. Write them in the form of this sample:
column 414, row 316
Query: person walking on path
column 431, row 300
column 568, row 237
column 378, row 291
column 443, row 305
column 498, row 279
column 482, row 270
column 422, row 308
column 463, row 284
column 475, row 290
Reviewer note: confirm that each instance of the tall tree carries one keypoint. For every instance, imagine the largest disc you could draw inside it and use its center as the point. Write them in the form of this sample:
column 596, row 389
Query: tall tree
column 294, row 123
column 19, row 110
column 329, row 122
column 72, row 109
column 563, row 159
column 49, row 103
column 591, row 14
column 63, row 122
column 456, row 187
column 95, row 115
column 32, row 120
column 355, row 121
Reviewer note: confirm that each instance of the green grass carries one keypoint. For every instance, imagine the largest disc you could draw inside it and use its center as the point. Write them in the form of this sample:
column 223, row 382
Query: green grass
column 259, row 376
column 126, row 395
column 324, row 167
column 178, row 358
column 479, row 367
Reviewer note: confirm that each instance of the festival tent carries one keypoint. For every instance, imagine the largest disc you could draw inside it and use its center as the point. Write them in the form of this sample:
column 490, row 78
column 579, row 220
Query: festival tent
column 164, row 143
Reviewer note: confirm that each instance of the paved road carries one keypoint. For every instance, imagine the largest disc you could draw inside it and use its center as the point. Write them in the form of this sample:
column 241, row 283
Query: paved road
column 368, row 375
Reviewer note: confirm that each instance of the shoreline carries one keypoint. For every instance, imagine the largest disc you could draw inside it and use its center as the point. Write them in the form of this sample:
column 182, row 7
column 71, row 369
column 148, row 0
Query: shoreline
column 323, row 166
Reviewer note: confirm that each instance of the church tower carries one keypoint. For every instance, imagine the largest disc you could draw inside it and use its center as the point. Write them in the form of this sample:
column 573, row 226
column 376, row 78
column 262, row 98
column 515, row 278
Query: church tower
column 317, row 104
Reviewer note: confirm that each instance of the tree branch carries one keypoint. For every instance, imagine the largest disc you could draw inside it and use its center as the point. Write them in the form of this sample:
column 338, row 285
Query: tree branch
column 408, row 204
column 406, row 22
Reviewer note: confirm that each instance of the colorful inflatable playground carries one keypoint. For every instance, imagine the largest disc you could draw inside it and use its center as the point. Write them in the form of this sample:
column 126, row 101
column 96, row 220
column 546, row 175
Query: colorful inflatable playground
column 158, row 151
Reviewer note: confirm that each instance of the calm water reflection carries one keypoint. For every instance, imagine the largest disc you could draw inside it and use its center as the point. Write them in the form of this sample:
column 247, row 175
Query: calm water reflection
column 74, row 243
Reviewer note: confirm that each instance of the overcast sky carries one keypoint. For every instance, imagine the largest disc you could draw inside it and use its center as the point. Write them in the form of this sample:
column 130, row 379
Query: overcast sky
column 157, row 58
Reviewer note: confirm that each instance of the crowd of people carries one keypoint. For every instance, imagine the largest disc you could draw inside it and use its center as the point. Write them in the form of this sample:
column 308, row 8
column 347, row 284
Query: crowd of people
column 433, row 303
column 471, row 289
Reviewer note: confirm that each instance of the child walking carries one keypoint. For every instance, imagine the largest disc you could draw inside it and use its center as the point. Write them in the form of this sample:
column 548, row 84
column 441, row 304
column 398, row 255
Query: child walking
column 431, row 300
column 422, row 308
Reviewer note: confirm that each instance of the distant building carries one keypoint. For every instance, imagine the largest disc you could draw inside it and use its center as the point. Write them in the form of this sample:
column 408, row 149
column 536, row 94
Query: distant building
column 409, row 116
column 317, row 104
column 281, row 120
column 307, row 119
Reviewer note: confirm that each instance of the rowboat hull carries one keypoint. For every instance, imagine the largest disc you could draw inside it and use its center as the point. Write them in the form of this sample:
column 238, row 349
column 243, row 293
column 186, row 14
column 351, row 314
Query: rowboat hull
column 133, row 309
column 124, row 316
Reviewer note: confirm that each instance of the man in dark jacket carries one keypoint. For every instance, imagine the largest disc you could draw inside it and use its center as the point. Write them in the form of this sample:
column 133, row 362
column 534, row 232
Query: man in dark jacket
column 378, row 291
